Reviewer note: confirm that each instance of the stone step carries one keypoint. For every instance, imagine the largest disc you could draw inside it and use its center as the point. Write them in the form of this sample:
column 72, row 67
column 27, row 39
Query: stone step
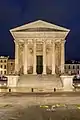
column 47, row 81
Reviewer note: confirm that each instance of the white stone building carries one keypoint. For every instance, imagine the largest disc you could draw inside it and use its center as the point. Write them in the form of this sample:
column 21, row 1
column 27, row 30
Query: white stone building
column 39, row 48
column 39, row 51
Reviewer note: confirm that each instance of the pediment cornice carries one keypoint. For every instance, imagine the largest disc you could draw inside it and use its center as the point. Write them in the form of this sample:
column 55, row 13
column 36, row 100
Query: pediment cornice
column 39, row 25
column 39, row 30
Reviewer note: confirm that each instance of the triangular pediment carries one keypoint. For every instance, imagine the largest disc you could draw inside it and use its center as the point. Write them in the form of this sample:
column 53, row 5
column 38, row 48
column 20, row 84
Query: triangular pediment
column 39, row 25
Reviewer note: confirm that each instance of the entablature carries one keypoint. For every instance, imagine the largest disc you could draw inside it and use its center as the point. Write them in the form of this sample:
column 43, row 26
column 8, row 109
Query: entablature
column 38, row 41
column 27, row 35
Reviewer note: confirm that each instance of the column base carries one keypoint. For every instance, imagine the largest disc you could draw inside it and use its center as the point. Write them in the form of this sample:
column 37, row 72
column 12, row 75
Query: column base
column 34, row 73
column 44, row 70
column 44, row 73
column 53, row 72
column 25, row 74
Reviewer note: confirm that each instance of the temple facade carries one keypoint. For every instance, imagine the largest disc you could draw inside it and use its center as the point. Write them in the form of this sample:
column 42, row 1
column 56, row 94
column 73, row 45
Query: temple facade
column 39, row 48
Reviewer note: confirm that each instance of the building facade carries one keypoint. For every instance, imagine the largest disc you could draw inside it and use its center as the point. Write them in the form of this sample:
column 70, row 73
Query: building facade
column 72, row 68
column 3, row 64
column 39, row 48
column 6, row 65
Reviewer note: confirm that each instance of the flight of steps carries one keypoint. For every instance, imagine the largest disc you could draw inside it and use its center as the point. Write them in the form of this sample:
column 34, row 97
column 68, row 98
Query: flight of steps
column 39, row 82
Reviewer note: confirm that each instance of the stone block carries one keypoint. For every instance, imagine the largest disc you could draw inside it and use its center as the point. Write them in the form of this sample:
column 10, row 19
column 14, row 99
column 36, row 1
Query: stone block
column 12, row 81
column 67, row 83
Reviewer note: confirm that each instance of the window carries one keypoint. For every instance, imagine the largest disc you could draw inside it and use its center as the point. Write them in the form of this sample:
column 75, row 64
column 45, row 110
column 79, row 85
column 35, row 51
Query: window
column 65, row 67
column 1, row 72
column 78, row 67
column 4, row 60
column 1, row 61
column 4, row 72
column 69, row 66
column 1, row 66
column 4, row 66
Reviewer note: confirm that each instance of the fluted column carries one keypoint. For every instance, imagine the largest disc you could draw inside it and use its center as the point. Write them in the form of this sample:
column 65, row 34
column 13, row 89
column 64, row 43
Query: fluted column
column 34, row 58
column 16, row 58
column 44, row 57
column 53, row 57
column 25, row 57
column 62, row 56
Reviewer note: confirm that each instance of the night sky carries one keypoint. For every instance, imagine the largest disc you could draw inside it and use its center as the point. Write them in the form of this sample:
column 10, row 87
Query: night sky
column 66, row 13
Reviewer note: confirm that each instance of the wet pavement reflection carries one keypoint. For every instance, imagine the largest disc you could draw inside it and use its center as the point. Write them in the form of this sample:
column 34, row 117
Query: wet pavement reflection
column 52, row 112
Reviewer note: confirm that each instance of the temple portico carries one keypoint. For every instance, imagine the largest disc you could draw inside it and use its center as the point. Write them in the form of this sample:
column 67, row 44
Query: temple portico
column 34, row 51
column 39, row 48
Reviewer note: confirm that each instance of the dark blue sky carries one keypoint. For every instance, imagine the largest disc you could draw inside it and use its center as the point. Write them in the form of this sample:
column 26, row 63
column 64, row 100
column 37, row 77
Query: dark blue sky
column 61, row 12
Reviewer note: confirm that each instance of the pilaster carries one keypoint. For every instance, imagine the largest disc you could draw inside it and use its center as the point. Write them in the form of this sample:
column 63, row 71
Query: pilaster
column 62, row 56
column 16, row 57
column 34, row 57
column 53, row 57
column 25, row 57
column 44, row 57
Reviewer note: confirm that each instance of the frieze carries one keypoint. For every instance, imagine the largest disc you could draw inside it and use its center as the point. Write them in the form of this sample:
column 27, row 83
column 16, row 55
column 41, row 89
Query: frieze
column 39, row 35
column 39, row 41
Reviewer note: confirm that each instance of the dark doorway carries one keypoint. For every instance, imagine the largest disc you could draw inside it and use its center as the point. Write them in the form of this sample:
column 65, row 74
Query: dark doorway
column 39, row 67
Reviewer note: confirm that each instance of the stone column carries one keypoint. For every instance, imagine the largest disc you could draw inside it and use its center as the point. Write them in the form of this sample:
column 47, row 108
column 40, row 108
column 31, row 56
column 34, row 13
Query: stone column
column 16, row 58
column 62, row 57
column 44, row 57
column 53, row 57
column 34, row 58
column 25, row 57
